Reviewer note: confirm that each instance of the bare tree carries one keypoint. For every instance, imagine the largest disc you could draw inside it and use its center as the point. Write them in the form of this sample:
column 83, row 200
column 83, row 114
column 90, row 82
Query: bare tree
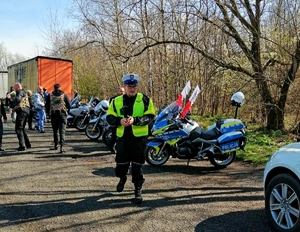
column 241, row 21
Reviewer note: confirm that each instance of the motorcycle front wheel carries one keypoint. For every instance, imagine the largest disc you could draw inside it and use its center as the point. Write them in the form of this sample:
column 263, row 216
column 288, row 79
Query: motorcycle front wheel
column 93, row 132
column 220, row 160
column 80, row 125
column 107, row 138
column 154, row 159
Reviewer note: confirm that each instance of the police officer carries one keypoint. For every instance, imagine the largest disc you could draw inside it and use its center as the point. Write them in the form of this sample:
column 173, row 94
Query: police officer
column 20, row 104
column 131, row 113
column 58, row 106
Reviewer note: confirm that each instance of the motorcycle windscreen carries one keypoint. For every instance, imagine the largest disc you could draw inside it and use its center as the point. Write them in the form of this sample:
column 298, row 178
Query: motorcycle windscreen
column 168, row 112
column 230, row 141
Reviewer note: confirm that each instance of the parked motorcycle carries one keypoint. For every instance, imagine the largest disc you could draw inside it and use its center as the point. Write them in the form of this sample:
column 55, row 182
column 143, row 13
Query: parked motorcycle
column 183, row 138
column 95, row 127
column 88, row 115
column 75, row 102
column 107, row 136
column 78, row 117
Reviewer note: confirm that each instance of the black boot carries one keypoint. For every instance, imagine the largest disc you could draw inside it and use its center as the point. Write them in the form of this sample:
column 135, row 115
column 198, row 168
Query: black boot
column 55, row 147
column 138, row 192
column 61, row 149
column 121, row 184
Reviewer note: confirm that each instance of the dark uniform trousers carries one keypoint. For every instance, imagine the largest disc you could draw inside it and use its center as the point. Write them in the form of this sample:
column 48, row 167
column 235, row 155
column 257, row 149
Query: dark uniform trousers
column 20, row 128
column 130, row 149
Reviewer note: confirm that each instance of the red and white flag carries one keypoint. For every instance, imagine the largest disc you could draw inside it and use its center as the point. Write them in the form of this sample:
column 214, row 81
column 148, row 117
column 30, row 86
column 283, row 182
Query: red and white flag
column 184, row 93
column 188, row 105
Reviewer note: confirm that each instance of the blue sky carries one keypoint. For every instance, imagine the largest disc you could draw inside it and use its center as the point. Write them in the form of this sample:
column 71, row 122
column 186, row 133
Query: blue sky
column 23, row 23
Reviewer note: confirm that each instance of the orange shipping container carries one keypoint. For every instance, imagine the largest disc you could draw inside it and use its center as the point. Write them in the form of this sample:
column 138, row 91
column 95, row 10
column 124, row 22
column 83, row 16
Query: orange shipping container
column 42, row 71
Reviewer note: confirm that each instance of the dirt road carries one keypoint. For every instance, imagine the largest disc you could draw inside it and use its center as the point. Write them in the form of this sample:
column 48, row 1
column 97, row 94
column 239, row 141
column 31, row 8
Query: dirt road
column 42, row 190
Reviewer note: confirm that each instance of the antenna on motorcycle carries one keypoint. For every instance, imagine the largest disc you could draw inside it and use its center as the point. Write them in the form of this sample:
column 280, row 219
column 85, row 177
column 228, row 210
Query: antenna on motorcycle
column 237, row 100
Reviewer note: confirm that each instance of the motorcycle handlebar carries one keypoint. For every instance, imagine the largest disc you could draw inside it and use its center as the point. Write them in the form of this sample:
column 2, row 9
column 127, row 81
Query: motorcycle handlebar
column 187, row 121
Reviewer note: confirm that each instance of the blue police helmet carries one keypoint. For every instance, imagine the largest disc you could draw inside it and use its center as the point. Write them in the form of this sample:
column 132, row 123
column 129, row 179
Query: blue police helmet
column 130, row 79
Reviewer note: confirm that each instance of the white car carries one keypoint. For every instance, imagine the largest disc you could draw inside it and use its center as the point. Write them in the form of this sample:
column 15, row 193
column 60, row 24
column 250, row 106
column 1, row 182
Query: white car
column 282, row 188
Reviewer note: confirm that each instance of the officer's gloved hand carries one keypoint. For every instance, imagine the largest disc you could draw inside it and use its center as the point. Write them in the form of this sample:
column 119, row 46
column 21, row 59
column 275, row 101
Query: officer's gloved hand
column 141, row 121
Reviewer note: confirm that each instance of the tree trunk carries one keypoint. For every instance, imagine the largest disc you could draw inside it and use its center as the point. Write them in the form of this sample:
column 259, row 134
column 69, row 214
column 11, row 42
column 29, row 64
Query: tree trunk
column 275, row 118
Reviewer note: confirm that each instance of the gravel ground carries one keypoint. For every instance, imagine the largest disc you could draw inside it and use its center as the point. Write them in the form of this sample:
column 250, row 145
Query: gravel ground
column 42, row 190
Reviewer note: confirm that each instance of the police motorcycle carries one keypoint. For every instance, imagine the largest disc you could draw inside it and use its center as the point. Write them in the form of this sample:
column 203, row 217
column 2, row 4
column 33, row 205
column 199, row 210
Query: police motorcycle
column 79, row 116
column 96, row 126
column 183, row 138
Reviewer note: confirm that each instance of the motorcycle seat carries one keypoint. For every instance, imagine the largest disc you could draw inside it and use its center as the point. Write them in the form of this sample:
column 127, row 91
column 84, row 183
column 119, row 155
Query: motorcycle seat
column 210, row 134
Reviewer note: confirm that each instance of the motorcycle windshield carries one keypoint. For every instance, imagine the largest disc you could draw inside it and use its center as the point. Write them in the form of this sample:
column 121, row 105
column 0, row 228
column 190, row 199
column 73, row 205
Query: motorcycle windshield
column 75, row 100
column 97, row 109
column 169, row 112
column 91, row 101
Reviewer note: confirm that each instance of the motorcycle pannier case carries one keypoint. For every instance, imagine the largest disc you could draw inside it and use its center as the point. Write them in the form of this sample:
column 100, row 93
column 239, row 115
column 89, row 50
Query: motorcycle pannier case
column 230, row 141
column 229, row 125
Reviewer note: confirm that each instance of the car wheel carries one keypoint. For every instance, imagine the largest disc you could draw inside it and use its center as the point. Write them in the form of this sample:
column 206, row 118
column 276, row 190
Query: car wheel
column 282, row 202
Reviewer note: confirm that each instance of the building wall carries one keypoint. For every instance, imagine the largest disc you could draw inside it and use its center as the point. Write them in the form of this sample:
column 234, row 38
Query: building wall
column 3, row 83
column 42, row 71
column 24, row 72
column 55, row 71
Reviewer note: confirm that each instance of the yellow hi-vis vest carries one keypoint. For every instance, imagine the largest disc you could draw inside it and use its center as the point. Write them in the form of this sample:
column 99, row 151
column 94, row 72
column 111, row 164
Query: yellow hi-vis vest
column 138, row 111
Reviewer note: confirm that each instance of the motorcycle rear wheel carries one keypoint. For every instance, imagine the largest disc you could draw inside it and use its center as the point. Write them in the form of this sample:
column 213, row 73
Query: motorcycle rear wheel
column 154, row 159
column 79, row 125
column 220, row 160
column 93, row 133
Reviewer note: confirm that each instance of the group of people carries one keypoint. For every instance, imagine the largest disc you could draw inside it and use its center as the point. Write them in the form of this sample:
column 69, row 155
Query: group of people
column 129, row 112
column 56, row 105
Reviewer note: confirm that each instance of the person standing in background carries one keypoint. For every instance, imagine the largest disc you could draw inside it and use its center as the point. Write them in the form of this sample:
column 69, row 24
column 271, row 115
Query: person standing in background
column 58, row 106
column 75, row 93
column 2, row 115
column 31, row 113
column 45, row 96
column 45, row 93
column 39, row 105
column 7, row 99
column 20, row 104
column 120, row 91
column 12, row 95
